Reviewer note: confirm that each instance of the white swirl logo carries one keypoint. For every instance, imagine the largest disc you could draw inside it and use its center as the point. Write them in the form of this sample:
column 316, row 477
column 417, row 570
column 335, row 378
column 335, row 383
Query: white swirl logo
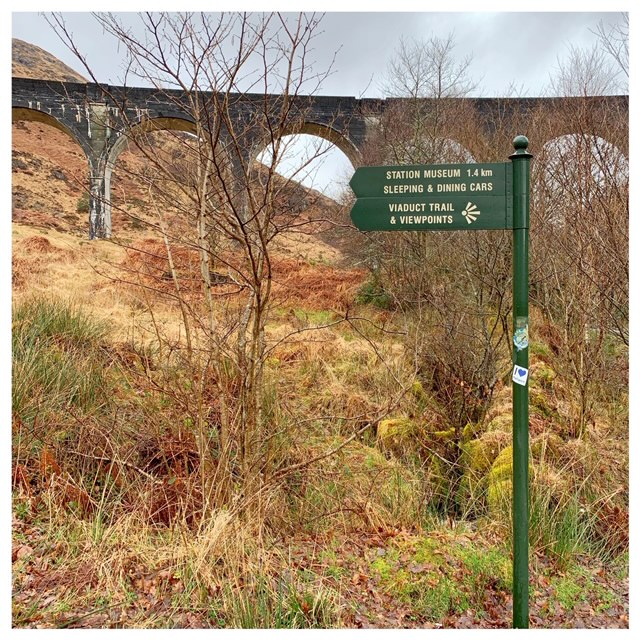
column 471, row 212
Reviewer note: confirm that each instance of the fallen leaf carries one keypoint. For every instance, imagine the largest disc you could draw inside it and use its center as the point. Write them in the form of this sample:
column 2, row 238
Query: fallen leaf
column 21, row 552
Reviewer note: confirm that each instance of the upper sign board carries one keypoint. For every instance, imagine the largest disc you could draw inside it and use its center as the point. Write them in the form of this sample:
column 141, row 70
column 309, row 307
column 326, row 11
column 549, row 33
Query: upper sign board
column 431, row 180
column 441, row 197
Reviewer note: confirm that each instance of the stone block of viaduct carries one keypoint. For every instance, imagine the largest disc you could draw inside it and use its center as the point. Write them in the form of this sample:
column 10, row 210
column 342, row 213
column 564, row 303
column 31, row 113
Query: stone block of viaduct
column 102, row 126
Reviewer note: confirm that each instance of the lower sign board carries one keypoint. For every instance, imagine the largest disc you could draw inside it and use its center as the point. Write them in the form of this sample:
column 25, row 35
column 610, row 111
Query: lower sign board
column 442, row 213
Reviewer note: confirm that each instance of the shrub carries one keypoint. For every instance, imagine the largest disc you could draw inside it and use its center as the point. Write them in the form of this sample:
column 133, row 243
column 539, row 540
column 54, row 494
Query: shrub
column 373, row 293
column 83, row 203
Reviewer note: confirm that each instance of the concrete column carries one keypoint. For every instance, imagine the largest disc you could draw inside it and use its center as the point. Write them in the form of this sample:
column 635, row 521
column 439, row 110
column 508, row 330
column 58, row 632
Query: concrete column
column 99, row 208
column 99, row 132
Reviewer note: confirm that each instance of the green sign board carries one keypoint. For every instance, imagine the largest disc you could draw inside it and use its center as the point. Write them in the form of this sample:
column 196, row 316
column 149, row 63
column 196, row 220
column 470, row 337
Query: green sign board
column 451, row 213
column 431, row 180
column 445, row 197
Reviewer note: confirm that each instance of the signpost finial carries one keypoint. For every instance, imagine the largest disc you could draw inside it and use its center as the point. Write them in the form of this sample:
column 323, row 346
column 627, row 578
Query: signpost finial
column 520, row 142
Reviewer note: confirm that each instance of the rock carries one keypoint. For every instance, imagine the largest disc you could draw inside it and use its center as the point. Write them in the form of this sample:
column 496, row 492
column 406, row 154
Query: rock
column 396, row 434
column 18, row 165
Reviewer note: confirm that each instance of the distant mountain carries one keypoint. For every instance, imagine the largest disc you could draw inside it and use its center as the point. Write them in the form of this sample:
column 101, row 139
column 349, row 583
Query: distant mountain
column 29, row 61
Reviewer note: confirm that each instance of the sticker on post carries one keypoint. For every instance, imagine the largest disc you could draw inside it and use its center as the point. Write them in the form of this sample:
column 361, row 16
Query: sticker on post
column 521, row 333
column 520, row 375
column 521, row 338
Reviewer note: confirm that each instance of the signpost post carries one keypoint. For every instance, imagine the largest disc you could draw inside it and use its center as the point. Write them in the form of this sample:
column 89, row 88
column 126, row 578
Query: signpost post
column 457, row 197
column 520, row 161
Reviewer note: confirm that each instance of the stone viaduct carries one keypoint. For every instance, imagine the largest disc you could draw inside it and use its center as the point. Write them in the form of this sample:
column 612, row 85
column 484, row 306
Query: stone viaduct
column 101, row 125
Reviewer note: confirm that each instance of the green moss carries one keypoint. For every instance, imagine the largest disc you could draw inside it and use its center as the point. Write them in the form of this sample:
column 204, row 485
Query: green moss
column 502, row 422
column 469, row 432
column 539, row 404
column 542, row 375
column 445, row 436
column 502, row 467
column 425, row 551
column 478, row 455
column 499, row 496
column 396, row 434
column 418, row 392
column 499, row 481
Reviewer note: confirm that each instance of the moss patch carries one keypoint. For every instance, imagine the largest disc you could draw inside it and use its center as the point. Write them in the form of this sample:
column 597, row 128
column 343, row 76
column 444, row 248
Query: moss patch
column 397, row 435
column 502, row 422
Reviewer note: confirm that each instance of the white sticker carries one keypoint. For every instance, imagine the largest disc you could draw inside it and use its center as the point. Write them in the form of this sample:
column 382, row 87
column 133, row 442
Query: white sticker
column 520, row 375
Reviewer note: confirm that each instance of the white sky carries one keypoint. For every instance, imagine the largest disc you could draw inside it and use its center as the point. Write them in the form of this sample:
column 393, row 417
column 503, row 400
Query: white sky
column 506, row 47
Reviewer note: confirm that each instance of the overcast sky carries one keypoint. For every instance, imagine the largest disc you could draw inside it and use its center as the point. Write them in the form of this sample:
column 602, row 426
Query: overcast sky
column 507, row 49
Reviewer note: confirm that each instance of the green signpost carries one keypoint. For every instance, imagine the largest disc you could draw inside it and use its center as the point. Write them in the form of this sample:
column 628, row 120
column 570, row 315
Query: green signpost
column 471, row 197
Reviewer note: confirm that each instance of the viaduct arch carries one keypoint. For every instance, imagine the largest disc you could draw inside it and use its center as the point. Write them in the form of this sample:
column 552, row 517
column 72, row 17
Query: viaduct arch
column 87, row 113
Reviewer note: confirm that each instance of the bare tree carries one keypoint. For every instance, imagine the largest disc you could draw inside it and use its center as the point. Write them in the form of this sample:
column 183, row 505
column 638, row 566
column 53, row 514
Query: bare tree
column 580, row 247
column 614, row 40
column 242, row 82
column 585, row 72
column 428, row 68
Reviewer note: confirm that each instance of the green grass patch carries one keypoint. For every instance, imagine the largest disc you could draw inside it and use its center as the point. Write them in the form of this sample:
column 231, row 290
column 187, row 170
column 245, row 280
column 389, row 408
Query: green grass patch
column 57, row 361
column 314, row 318
column 438, row 579
column 277, row 603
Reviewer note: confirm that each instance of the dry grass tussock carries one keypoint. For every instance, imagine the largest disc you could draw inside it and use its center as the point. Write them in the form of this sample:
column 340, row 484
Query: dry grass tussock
column 56, row 265
column 113, row 557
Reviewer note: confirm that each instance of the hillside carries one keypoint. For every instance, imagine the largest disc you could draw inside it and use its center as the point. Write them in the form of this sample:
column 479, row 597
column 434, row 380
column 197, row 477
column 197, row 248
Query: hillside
column 30, row 61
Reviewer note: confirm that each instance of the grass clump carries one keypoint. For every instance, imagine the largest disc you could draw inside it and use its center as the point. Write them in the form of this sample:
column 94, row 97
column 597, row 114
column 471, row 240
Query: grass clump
column 279, row 603
column 57, row 362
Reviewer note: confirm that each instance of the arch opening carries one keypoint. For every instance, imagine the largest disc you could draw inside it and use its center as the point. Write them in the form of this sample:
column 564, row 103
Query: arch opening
column 315, row 161
column 574, row 172
column 50, row 171
column 141, row 164
column 23, row 114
